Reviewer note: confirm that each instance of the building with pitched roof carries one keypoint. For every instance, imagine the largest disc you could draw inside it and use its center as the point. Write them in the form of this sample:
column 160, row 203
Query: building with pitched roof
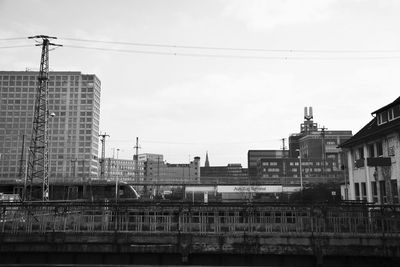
column 374, row 157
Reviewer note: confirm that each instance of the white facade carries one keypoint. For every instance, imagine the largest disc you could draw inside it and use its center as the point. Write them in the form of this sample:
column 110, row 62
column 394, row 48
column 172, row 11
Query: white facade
column 378, row 184
column 374, row 158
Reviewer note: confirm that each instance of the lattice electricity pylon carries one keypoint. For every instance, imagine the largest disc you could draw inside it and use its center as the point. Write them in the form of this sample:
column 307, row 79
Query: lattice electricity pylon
column 38, row 168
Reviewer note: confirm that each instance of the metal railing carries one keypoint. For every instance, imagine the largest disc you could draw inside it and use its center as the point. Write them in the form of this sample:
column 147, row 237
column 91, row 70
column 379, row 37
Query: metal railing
column 213, row 218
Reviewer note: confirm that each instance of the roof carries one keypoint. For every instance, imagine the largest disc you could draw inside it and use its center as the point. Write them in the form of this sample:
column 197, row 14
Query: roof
column 394, row 103
column 372, row 131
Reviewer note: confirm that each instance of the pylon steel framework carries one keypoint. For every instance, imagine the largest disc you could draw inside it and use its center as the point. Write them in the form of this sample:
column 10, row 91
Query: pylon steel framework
column 38, row 166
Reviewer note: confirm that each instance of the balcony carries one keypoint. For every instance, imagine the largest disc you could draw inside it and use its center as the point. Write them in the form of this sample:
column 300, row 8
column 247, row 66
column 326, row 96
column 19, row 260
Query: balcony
column 359, row 163
column 379, row 161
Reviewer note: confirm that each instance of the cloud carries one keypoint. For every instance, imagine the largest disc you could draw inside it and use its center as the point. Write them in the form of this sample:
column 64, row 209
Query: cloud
column 259, row 15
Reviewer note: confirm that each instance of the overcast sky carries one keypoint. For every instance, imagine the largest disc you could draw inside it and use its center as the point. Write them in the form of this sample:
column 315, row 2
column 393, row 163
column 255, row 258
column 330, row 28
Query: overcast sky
column 217, row 100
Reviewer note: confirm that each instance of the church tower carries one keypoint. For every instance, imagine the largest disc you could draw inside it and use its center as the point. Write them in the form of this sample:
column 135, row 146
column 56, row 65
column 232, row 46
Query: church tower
column 207, row 163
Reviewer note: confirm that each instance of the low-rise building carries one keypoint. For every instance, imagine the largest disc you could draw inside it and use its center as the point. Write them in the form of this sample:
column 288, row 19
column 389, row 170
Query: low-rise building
column 374, row 157
column 163, row 172
column 232, row 173
column 122, row 169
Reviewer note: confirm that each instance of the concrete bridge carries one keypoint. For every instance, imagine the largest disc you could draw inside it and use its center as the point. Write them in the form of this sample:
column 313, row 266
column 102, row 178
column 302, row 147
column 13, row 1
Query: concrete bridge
column 227, row 234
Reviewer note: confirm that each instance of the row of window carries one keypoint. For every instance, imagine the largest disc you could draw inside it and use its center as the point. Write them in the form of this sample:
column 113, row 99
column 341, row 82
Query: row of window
column 378, row 190
column 295, row 170
column 11, row 77
column 373, row 150
column 388, row 115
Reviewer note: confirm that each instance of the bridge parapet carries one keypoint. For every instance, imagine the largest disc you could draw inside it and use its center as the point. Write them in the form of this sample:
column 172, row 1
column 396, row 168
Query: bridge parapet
column 189, row 230
column 188, row 218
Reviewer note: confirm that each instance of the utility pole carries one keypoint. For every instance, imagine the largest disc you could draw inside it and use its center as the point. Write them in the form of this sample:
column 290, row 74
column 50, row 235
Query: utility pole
column 323, row 150
column 136, row 158
column 103, row 153
column 283, row 156
column 116, row 179
column 38, row 168
column 21, row 163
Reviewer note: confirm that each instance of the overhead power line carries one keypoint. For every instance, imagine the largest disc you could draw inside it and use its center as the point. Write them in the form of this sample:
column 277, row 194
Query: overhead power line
column 231, row 48
column 14, row 38
column 193, row 143
column 235, row 53
column 232, row 56
column 15, row 46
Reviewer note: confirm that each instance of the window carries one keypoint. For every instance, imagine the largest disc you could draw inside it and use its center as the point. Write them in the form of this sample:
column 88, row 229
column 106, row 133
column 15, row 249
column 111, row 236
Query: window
column 391, row 151
column 374, row 190
column 395, row 191
column 396, row 111
column 379, row 149
column 390, row 114
column 364, row 191
column 357, row 191
column 382, row 117
column 382, row 190
column 360, row 153
column 371, row 151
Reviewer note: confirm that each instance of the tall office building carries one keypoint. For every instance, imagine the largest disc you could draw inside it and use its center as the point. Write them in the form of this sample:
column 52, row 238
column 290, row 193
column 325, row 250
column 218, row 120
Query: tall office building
column 74, row 98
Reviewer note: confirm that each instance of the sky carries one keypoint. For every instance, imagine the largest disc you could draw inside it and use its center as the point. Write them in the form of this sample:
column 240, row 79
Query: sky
column 181, row 98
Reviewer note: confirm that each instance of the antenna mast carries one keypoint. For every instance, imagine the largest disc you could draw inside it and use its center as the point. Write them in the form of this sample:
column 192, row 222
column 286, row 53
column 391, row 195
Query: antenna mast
column 136, row 158
column 38, row 167
column 103, row 153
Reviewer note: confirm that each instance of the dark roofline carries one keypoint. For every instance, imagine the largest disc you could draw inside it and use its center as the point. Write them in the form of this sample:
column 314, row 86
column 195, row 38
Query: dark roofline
column 366, row 133
column 394, row 103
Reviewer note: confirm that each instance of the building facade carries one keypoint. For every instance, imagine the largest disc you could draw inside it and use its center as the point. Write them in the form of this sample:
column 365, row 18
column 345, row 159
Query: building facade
column 142, row 171
column 374, row 158
column 163, row 172
column 121, row 169
column 316, row 147
column 324, row 145
column 74, row 98
column 230, row 174
column 253, row 156
column 290, row 167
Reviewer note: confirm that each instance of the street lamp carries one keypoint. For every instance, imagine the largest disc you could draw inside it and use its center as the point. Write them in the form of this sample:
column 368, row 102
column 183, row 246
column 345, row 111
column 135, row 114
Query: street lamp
column 116, row 178
column 301, row 172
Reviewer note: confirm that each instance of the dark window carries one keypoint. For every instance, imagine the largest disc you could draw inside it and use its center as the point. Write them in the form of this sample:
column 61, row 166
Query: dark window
column 371, row 151
column 396, row 111
column 374, row 190
column 395, row 191
column 357, row 191
column 379, row 149
column 384, row 117
column 361, row 152
column 382, row 189
column 364, row 191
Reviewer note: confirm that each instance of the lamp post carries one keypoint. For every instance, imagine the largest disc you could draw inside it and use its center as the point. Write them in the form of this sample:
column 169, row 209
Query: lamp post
column 116, row 179
column 301, row 172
